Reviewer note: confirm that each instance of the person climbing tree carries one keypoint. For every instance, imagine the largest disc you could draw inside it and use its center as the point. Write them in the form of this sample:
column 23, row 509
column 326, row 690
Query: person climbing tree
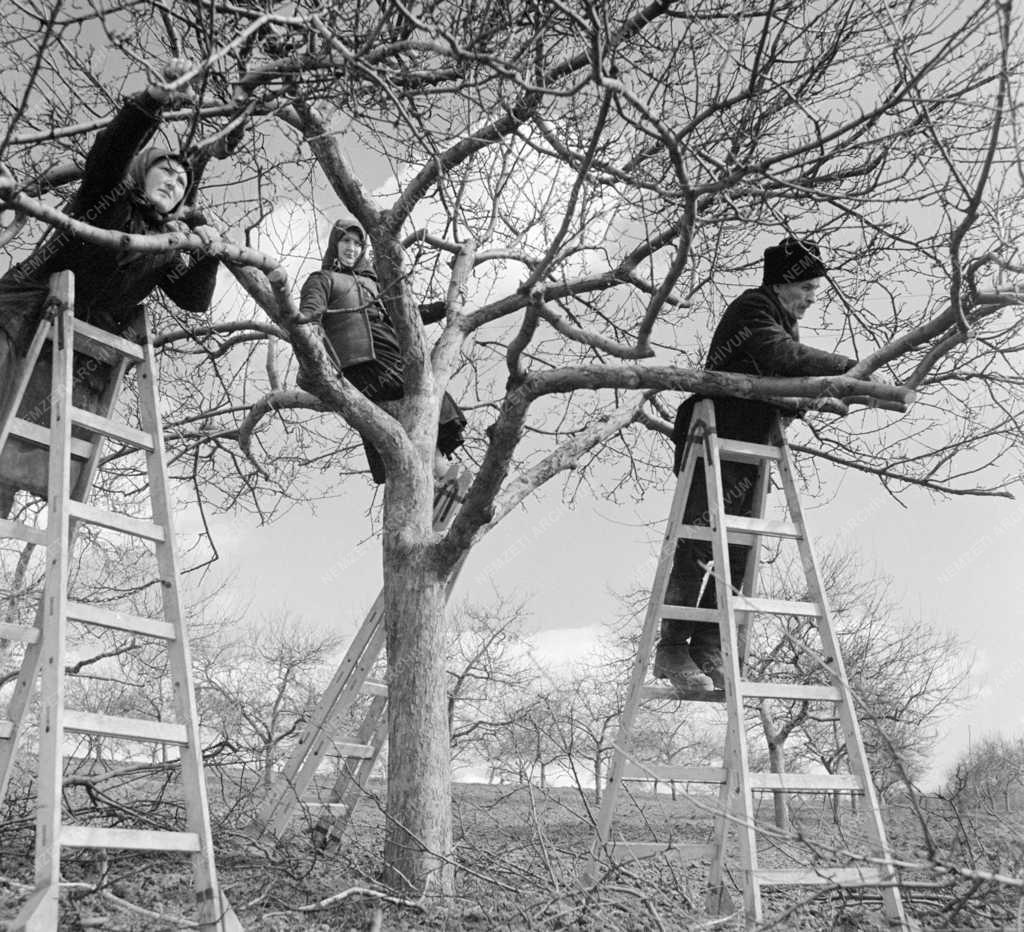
column 757, row 335
column 124, row 189
column 344, row 297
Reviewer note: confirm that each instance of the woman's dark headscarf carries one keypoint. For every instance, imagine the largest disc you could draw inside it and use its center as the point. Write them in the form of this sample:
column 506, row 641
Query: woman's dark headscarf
column 341, row 227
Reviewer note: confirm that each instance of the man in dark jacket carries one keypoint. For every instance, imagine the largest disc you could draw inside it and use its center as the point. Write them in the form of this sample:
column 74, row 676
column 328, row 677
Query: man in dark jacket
column 122, row 189
column 757, row 335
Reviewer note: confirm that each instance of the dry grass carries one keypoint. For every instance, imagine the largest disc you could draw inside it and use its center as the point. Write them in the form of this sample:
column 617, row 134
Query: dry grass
column 520, row 852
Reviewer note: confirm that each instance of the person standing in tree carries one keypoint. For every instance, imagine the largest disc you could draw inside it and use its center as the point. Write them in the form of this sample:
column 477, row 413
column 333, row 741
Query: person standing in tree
column 757, row 335
column 344, row 298
column 127, row 188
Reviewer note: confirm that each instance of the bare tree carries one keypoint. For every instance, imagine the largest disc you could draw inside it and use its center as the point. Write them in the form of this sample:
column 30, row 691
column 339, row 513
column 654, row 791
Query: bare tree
column 573, row 190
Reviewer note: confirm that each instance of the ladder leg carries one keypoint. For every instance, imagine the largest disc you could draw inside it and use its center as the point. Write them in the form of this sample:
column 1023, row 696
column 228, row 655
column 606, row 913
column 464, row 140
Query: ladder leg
column 741, row 805
column 39, row 914
column 214, row 911
column 652, row 621
column 892, row 900
column 718, row 901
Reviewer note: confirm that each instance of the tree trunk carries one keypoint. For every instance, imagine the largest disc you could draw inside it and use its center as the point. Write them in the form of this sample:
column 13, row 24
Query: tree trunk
column 777, row 763
column 418, row 838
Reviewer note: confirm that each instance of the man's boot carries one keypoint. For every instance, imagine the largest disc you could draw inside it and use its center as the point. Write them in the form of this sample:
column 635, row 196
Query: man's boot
column 673, row 662
column 708, row 658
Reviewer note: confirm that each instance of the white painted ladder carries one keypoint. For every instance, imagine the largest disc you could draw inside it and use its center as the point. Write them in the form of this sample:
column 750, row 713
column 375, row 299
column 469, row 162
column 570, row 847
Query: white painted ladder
column 326, row 734
column 45, row 651
column 737, row 783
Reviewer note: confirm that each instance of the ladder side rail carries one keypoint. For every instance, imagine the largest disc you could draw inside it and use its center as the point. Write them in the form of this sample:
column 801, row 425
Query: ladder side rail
column 18, row 704
column 349, row 785
column 211, row 908
column 751, row 573
column 717, row 901
column 742, row 806
column 315, row 742
column 354, row 773
column 25, row 367
column 40, row 913
column 859, row 763
column 311, row 748
column 652, row 619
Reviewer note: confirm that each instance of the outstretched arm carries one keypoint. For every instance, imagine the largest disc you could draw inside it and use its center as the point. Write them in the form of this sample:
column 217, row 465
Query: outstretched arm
column 117, row 143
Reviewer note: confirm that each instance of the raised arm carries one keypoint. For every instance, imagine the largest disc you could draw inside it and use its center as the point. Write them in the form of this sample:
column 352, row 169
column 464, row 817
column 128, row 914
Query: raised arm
column 117, row 143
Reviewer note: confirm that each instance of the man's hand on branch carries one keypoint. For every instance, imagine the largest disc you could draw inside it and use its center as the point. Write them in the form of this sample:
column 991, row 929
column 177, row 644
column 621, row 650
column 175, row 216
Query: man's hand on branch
column 172, row 70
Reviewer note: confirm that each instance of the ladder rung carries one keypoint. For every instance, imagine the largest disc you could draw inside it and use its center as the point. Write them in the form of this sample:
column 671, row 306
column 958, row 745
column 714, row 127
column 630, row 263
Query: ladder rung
column 40, row 435
column 670, row 692
column 806, row 782
column 743, row 450
column 87, row 337
column 689, row 613
column 95, row 836
column 673, row 772
column 26, row 634
column 20, row 531
column 777, row 606
column 346, row 749
column 119, row 621
column 690, row 851
column 372, row 688
column 314, row 807
column 752, row 690
column 6, row 729
column 108, row 519
column 700, row 532
column 113, row 429
column 832, row 876
column 116, row 726
column 761, row 527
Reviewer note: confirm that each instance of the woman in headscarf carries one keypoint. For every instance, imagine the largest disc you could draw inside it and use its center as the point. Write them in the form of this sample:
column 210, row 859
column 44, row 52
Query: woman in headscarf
column 345, row 299
column 122, row 189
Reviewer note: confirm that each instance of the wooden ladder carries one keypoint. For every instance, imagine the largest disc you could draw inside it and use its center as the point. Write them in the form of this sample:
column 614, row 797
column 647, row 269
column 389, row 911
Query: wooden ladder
column 327, row 733
column 45, row 650
column 737, row 783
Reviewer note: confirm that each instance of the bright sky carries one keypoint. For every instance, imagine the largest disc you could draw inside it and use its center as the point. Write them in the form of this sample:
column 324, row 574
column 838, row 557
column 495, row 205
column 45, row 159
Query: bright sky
column 956, row 564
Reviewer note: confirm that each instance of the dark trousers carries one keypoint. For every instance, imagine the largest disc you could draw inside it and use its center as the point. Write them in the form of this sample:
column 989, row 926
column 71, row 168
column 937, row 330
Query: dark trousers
column 738, row 420
column 689, row 576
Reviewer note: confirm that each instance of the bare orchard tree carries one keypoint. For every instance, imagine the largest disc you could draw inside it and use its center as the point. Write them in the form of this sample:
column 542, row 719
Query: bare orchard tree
column 571, row 190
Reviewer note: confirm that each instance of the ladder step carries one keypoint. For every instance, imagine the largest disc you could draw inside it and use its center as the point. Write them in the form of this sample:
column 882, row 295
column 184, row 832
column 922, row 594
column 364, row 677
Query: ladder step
column 762, row 527
column 670, row 692
column 36, row 433
column 120, row 621
column 26, row 634
column 315, row 807
column 806, row 782
column 673, row 772
column 777, row 606
column 743, row 451
column 689, row 613
column 6, row 729
column 700, row 532
column 116, row 430
column 751, row 690
column 95, row 836
column 372, row 688
column 115, row 522
column 690, row 851
column 347, row 749
column 92, row 341
column 115, row 726
column 824, row 875
column 19, row 531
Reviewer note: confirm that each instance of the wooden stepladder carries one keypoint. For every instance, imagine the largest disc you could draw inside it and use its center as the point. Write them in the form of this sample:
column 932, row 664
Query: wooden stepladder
column 737, row 783
column 73, row 460
column 329, row 733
